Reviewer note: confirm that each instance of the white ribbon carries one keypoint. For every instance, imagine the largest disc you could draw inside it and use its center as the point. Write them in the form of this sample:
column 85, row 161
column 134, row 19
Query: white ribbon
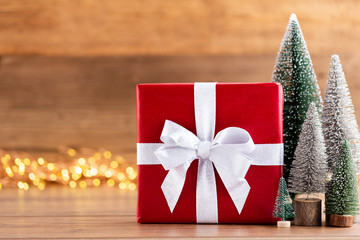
column 229, row 152
column 267, row 154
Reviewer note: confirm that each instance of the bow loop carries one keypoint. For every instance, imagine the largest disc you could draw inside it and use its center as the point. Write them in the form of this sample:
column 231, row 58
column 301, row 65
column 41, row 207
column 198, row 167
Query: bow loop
column 178, row 156
column 236, row 138
column 180, row 146
column 175, row 134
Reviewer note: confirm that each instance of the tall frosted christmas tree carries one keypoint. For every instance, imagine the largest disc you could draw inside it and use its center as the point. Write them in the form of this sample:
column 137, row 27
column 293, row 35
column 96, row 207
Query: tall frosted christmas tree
column 309, row 169
column 339, row 121
column 294, row 71
column 343, row 197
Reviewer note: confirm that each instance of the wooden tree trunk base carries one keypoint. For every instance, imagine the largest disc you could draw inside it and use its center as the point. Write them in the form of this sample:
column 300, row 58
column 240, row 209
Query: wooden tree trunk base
column 341, row 220
column 327, row 219
column 283, row 224
column 307, row 212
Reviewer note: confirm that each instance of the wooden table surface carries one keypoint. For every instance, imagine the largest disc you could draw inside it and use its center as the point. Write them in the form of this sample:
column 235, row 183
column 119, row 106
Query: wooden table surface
column 109, row 213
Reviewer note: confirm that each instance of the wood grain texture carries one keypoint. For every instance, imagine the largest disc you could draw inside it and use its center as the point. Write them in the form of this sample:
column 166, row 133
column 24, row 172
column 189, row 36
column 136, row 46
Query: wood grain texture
column 341, row 220
column 307, row 212
column 109, row 213
column 46, row 102
column 153, row 27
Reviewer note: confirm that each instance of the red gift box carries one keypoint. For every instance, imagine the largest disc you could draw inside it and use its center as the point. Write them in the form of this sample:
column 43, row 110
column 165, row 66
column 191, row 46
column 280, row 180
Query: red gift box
column 255, row 107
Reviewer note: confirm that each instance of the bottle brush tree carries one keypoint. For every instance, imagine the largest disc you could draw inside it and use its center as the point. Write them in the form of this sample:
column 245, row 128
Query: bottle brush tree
column 283, row 206
column 342, row 197
column 294, row 71
column 309, row 169
column 339, row 121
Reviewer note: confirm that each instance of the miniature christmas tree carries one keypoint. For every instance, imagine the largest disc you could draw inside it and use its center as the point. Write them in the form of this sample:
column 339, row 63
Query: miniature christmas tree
column 309, row 169
column 295, row 72
column 339, row 121
column 342, row 197
column 283, row 207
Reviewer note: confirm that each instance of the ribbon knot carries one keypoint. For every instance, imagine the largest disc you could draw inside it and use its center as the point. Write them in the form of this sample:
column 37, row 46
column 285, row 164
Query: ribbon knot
column 203, row 150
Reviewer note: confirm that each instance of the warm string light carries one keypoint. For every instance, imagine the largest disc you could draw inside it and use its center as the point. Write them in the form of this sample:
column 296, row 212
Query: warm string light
column 80, row 168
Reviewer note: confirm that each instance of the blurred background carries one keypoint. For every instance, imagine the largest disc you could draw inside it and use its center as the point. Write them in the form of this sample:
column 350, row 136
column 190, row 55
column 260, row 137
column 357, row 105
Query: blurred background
column 69, row 68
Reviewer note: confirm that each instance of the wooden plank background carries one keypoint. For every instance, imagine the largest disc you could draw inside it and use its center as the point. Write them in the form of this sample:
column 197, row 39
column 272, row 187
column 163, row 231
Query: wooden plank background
column 47, row 102
column 138, row 27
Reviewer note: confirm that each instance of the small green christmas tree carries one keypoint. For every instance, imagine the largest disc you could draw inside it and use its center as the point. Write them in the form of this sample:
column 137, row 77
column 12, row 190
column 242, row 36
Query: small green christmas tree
column 283, row 207
column 294, row 71
column 343, row 197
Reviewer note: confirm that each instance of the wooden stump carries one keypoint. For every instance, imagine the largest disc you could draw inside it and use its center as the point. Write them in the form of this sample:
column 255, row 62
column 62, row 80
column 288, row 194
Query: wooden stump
column 341, row 220
column 307, row 212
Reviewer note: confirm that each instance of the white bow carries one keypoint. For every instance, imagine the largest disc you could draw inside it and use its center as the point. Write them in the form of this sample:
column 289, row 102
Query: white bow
column 227, row 151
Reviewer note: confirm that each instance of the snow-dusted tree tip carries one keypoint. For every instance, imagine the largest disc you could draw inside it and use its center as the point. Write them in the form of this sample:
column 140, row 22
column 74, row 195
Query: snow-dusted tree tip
column 293, row 17
column 309, row 169
column 335, row 59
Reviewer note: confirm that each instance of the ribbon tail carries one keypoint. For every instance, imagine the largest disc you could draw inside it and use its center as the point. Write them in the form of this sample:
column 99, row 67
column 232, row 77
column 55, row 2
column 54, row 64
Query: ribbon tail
column 206, row 197
column 238, row 188
column 173, row 184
